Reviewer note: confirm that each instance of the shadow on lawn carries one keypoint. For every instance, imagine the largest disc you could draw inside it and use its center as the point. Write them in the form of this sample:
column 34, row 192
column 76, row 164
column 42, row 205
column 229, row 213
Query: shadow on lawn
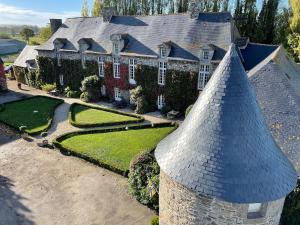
column 12, row 211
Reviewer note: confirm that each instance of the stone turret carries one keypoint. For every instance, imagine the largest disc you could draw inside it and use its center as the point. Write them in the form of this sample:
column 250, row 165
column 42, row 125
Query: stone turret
column 222, row 166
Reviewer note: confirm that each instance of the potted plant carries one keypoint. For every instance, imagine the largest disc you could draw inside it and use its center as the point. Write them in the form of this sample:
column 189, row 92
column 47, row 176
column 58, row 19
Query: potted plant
column 24, row 134
column 45, row 141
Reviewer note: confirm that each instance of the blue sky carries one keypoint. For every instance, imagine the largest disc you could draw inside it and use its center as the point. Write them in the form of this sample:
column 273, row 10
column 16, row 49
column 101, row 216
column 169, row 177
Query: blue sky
column 38, row 12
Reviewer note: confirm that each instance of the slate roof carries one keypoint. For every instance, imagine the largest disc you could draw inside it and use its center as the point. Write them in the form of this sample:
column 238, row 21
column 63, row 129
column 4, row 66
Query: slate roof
column 276, row 82
column 255, row 53
column 224, row 149
column 146, row 33
column 28, row 54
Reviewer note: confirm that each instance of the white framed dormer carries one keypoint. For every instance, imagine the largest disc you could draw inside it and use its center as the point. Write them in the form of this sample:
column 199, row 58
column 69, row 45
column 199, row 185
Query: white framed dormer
column 116, row 48
column 58, row 56
column 160, row 101
column 116, row 65
column 61, row 79
column 131, row 69
column 162, row 70
column 163, row 52
column 203, row 76
column 83, row 60
column 205, row 54
column 118, row 96
column 101, row 66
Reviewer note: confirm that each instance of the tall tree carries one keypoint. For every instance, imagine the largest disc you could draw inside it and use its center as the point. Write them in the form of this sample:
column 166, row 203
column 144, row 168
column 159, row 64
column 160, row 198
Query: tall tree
column 85, row 9
column 294, row 37
column 97, row 8
column 282, row 29
column 295, row 19
column 225, row 6
column 26, row 33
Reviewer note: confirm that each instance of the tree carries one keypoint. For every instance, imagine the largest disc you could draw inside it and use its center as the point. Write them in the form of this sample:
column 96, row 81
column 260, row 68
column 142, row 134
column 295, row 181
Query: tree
column 26, row 33
column 225, row 6
column 97, row 8
column 282, row 29
column 295, row 19
column 85, row 9
column 294, row 37
column 45, row 33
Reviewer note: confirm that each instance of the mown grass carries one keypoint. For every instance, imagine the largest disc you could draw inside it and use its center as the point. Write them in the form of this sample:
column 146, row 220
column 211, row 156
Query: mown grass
column 35, row 113
column 117, row 148
column 88, row 116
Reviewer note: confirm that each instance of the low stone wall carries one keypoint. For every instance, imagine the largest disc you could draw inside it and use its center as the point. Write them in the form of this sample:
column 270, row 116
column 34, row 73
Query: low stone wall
column 178, row 205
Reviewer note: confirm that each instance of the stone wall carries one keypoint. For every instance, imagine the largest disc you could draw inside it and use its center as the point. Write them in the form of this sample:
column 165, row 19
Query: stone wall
column 180, row 206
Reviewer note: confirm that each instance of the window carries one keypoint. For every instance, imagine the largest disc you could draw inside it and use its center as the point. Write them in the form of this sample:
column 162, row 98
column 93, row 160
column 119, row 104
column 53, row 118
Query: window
column 116, row 68
column 61, row 80
column 162, row 73
column 83, row 60
column 203, row 76
column 132, row 71
column 255, row 210
column 163, row 52
column 103, row 90
column 205, row 54
column 118, row 96
column 59, row 59
column 101, row 66
column 116, row 48
column 160, row 101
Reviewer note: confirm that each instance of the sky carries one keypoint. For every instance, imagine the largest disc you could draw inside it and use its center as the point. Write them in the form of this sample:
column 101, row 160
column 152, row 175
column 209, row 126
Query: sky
column 38, row 12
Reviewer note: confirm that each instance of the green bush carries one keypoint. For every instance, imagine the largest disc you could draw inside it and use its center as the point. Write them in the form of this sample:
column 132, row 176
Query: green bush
column 84, row 97
column 291, row 209
column 187, row 111
column 155, row 220
column 144, row 180
column 91, row 86
column 48, row 87
column 72, row 93
column 138, row 99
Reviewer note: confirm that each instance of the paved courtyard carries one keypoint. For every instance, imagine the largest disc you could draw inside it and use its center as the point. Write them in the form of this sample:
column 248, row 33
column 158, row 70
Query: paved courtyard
column 39, row 186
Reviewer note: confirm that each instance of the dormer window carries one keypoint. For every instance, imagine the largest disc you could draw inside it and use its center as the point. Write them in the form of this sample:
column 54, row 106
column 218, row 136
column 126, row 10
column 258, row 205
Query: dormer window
column 163, row 52
column 116, row 49
column 83, row 60
column 205, row 54
column 101, row 66
column 255, row 210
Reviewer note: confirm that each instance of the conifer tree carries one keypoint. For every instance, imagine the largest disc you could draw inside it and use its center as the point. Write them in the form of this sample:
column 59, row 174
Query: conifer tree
column 97, row 8
column 85, row 9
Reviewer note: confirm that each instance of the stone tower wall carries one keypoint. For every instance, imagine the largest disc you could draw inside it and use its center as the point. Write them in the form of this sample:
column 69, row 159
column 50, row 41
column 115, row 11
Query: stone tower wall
column 180, row 206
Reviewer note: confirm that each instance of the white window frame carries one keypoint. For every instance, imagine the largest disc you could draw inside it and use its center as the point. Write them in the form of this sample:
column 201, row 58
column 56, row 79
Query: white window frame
column 116, row 67
column 83, row 60
column 117, row 93
column 101, row 66
column 58, row 59
column 116, row 48
column 162, row 73
column 203, row 76
column 205, row 54
column 61, row 79
column 131, row 71
column 163, row 52
column 255, row 210
column 160, row 101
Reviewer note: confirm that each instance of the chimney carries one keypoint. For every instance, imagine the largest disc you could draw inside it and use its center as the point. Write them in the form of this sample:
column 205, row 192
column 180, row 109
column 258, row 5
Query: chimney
column 55, row 25
column 108, row 13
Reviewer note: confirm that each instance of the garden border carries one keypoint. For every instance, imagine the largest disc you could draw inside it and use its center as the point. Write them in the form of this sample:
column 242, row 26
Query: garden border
column 66, row 151
column 50, row 121
column 72, row 121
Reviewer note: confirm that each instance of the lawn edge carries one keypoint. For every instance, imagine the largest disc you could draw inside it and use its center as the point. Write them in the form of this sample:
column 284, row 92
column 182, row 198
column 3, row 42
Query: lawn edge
column 66, row 151
column 50, row 121
column 72, row 121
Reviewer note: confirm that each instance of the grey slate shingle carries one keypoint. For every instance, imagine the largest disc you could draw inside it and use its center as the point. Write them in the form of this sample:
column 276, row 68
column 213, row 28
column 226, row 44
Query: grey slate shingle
column 28, row 54
column 224, row 149
column 145, row 33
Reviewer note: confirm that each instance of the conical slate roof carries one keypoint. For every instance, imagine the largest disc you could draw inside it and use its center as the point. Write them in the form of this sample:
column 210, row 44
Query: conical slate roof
column 224, row 149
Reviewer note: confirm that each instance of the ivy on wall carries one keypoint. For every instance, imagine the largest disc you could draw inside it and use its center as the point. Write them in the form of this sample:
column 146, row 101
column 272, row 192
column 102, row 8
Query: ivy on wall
column 25, row 76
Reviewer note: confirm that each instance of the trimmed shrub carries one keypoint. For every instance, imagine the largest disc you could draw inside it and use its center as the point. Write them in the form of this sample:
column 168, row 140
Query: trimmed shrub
column 291, row 210
column 138, row 99
column 144, row 180
column 71, row 93
column 84, row 97
column 48, row 87
column 187, row 111
column 91, row 87
column 155, row 220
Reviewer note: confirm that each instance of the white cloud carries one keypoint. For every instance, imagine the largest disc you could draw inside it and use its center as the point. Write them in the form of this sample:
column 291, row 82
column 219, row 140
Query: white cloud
column 14, row 15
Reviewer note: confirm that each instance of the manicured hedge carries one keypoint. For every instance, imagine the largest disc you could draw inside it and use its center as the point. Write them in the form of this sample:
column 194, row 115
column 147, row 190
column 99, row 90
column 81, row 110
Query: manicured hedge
column 73, row 122
column 58, row 140
column 49, row 122
column 25, row 76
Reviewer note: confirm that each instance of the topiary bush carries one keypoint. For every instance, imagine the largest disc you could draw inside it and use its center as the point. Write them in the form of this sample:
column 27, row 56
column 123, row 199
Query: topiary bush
column 48, row 87
column 138, row 99
column 72, row 93
column 91, row 87
column 291, row 210
column 84, row 97
column 155, row 220
column 144, row 180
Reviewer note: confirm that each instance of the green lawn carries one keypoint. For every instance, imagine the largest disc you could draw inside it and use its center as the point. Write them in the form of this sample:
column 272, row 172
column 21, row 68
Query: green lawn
column 35, row 113
column 86, row 116
column 116, row 149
